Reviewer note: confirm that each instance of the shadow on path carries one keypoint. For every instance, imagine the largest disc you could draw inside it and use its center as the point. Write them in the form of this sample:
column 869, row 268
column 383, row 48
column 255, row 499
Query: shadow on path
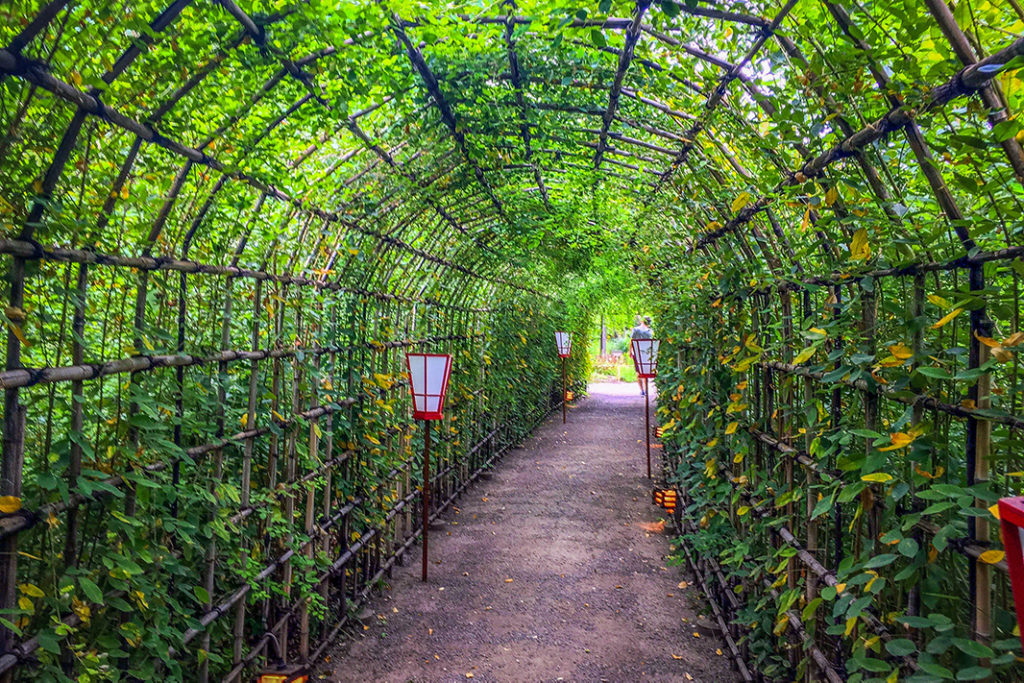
column 551, row 570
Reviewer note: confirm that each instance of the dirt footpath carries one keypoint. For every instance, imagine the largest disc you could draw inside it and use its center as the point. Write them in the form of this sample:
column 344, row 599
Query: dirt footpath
column 554, row 569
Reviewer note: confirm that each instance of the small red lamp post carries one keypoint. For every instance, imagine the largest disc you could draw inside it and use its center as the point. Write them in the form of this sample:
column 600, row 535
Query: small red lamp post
column 428, row 379
column 1011, row 520
column 645, row 358
column 563, row 340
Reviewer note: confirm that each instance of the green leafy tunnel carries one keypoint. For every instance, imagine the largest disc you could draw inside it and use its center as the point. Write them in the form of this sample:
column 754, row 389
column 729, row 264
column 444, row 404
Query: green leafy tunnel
column 224, row 224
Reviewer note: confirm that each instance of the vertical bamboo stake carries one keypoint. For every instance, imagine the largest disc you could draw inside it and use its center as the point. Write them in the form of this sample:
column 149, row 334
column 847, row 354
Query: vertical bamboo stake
column 75, row 450
column 917, row 345
column 835, row 418
column 978, row 446
column 246, row 483
column 332, row 359
column 314, row 446
column 289, row 477
column 209, row 580
column 811, row 580
column 11, row 464
column 786, row 423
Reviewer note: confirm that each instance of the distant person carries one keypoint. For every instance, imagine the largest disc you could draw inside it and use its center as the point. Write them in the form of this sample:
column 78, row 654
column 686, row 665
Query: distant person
column 641, row 331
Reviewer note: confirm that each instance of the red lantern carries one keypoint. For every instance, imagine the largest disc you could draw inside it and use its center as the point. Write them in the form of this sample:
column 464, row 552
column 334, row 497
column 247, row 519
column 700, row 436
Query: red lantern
column 1011, row 520
column 563, row 340
column 428, row 377
column 428, row 381
column 645, row 357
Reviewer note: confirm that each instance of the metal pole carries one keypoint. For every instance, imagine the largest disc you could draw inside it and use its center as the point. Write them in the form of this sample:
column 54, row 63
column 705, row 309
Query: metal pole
column 647, row 421
column 563, row 390
column 426, row 492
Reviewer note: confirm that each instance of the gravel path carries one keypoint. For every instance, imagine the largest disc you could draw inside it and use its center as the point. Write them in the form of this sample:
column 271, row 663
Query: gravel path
column 554, row 569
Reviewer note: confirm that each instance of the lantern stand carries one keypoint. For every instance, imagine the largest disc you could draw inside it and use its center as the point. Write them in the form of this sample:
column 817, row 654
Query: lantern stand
column 647, row 422
column 426, row 493
column 428, row 381
column 645, row 359
column 563, row 341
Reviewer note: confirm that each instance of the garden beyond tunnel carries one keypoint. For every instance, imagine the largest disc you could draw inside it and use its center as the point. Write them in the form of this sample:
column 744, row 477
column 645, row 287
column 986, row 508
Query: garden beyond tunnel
column 227, row 224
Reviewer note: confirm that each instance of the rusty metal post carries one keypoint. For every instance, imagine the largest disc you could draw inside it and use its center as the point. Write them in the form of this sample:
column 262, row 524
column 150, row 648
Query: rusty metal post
column 426, row 492
column 647, row 421
column 563, row 391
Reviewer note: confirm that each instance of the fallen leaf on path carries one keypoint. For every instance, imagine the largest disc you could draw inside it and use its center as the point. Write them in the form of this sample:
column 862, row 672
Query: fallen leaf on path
column 676, row 657
column 509, row 580
column 469, row 675
column 696, row 635
column 718, row 652
column 653, row 527
column 618, row 586
column 682, row 584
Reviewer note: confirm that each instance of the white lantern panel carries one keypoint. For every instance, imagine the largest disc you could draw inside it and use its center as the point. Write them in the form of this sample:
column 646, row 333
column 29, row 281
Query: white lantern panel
column 417, row 378
column 646, row 352
column 428, row 375
column 563, row 340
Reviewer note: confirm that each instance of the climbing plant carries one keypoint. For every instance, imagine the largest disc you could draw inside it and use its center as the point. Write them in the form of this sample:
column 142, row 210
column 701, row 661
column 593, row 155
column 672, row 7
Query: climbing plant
column 223, row 225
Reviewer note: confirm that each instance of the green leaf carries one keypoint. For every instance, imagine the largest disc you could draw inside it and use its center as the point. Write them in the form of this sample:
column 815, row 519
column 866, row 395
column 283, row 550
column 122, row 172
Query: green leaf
column 900, row 647
column 880, row 560
column 973, row 673
column 973, row 648
column 908, row 547
column 91, row 590
column 201, row 594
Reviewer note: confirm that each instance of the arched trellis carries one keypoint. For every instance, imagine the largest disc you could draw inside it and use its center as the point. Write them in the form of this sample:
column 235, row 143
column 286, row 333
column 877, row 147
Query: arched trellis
column 398, row 217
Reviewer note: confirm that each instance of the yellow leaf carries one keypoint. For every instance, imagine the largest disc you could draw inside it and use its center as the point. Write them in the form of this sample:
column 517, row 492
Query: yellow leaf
column 742, row 200
column 780, row 625
column 938, row 300
column 901, row 351
column 9, row 504
column 804, row 355
column 840, row 587
column 16, row 329
column 850, row 623
column 742, row 510
column 316, row 430
column 831, row 196
column 1014, row 339
column 992, row 556
column 731, row 429
column 987, row 341
column 860, row 250
column 947, row 318
column 877, row 477
column 31, row 590
column 995, row 511
column 899, row 440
